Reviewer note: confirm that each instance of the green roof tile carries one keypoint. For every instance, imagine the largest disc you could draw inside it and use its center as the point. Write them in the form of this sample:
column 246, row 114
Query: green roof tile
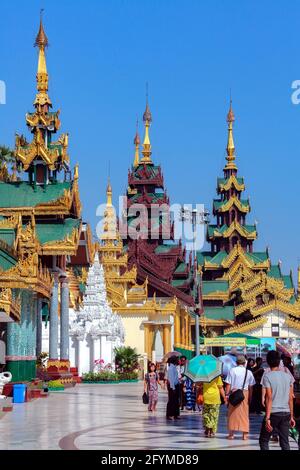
column 219, row 313
column 274, row 272
column 22, row 194
column 53, row 232
column 155, row 197
column 257, row 257
column 152, row 170
column 181, row 268
column 288, row 282
column 221, row 230
column 164, row 248
column 211, row 257
column 219, row 257
column 7, row 236
column 179, row 282
column 6, row 260
column 214, row 286
column 218, row 203
column 224, row 181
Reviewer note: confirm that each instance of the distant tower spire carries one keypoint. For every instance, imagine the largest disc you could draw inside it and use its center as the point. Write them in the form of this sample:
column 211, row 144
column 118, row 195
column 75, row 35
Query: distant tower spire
column 147, row 118
column 109, row 193
column 136, row 142
column 230, row 142
column 41, row 42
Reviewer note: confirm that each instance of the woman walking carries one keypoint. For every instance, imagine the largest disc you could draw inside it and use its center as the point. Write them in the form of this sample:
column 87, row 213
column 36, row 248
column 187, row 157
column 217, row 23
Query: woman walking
column 239, row 378
column 212, row 393
column 151, row 386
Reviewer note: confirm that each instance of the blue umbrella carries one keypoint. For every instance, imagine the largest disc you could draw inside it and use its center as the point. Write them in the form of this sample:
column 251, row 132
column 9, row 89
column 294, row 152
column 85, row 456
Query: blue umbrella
column 203, row 368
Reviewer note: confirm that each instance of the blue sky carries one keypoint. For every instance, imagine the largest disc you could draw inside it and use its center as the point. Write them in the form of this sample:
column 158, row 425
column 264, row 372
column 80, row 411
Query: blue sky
column 101, row 55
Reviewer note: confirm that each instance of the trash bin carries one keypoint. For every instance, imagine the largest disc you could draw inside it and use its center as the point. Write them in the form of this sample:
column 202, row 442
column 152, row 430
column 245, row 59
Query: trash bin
column 19, row 392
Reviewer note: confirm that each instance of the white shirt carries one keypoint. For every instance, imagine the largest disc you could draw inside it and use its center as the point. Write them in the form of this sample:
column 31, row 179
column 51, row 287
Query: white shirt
column 236, row 377
column 228, row 361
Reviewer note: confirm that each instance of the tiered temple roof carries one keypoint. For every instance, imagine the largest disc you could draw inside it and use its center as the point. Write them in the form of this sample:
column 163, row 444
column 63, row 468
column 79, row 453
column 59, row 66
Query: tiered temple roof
column 240, row 285
column 40, row 217
column 153, row 251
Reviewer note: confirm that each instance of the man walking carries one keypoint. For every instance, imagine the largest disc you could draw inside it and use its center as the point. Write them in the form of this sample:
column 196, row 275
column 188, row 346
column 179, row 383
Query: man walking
column 279, row 404
column 173, row 389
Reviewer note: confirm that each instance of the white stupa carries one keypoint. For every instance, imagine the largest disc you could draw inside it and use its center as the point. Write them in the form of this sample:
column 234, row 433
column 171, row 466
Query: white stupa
column 95, row 330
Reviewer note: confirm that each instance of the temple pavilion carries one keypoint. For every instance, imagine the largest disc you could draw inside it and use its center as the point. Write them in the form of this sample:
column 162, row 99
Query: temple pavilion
column 243, row 292
column 42, row 238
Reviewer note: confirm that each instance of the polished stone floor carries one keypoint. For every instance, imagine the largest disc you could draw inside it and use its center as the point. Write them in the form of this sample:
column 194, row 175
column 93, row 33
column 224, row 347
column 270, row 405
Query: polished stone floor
column 110, row 417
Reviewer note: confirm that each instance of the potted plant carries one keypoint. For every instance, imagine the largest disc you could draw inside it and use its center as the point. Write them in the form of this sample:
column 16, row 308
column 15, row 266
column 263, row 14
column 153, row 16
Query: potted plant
column 127, row 365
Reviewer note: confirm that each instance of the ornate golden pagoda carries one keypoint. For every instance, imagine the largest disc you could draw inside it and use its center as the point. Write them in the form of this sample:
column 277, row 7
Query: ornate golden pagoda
column 40, row 231
column 242, row 290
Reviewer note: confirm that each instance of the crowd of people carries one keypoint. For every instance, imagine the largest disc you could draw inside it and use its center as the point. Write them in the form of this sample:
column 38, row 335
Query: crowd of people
column 245, row 387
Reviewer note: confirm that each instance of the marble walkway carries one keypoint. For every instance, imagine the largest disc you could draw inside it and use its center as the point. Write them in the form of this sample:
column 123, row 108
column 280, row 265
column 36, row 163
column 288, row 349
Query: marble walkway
column 111, row 417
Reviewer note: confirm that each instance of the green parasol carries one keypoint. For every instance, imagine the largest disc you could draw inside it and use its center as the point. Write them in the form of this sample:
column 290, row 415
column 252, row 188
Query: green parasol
column 203, row 368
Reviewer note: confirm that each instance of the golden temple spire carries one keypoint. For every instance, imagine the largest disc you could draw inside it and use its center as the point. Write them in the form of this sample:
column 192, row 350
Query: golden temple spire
column 298, row 284
column 230, row 142
column 109, row 193
column 41, row 42
column 76, row 172
column 136, row 142
column 147, row 118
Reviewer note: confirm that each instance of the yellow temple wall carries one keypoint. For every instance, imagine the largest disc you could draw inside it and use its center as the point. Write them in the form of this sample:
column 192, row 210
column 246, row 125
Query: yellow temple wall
column 134, row 331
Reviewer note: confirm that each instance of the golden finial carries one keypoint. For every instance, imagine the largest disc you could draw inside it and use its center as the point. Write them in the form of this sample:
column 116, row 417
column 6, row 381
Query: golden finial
column 108, row 193
column 136, row 142
column 230, row 143
column 147, row 118
column 41, row 42
column 76, row 172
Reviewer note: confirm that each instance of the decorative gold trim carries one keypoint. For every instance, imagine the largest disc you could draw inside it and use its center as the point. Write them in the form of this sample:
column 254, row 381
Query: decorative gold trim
column 10, row 222
column 234, row 226
column 68, row 245
column 11, row 306
column 234, row 201
column 293, row 323
column 28, row 274
column 247, row 326
column 232, row 181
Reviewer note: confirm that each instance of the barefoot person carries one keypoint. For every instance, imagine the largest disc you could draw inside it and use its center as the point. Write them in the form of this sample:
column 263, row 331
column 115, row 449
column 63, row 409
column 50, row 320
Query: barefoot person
column 239, row 378
column 151, row 386
column 212, row 393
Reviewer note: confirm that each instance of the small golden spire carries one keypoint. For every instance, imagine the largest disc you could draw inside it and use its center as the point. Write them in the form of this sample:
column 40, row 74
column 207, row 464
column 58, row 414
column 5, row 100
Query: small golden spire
column 230, row 143
column 136, row 142
column 41, row 42
column 147, row 118
column 76, row 172
column 109, row 193
column 298, row 286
